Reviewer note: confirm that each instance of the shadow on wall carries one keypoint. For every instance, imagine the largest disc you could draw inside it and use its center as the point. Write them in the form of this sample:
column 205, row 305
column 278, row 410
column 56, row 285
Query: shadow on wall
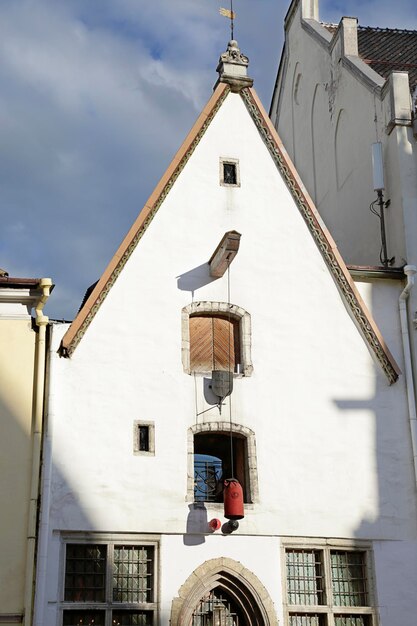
column 393, row 527
column 15, row 477
column 195, row 279
column 197, row 524
column 16, row 444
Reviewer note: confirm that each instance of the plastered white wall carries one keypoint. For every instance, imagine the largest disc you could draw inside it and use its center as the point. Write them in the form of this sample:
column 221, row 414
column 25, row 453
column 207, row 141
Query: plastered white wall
column 333, row 456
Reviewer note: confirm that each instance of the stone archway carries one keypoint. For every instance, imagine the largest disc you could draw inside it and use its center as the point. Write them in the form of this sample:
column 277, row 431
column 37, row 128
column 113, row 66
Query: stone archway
column 233, row 579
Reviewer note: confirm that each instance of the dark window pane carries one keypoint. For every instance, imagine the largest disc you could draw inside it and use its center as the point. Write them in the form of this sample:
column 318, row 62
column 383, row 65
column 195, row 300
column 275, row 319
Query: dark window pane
column 84, row 618
column 212, row 460
column 349, row 578
column 305, row 578
column 229, row 173
column 133, row 574
column 144, row 438
column 85, row 573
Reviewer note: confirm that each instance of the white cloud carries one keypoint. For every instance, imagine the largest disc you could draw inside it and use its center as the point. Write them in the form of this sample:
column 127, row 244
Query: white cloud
column 95, row 98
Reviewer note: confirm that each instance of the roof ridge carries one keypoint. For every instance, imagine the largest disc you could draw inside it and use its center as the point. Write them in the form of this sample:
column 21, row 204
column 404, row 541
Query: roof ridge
column 87, row 312
column 387, row 29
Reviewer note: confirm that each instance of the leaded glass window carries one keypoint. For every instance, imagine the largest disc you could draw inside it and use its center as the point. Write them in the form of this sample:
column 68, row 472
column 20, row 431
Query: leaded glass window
column 305, row 577
column 85, row 573
column 132, row 618
column 328, row 587
column 109, row 583
column 351, row 620
column 303, row 619
column 132, row 573
column 84, row 618
column 349, row 578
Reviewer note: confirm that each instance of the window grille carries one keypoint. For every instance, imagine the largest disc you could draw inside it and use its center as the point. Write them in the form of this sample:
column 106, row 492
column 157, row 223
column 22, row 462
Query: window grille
column 208, row 473
column 115, row 580
column 328, row 587
column 132, row 573
column 216, row 609
column 305, row 577
column 300, row 619
column 352, row 620
column 348, row 578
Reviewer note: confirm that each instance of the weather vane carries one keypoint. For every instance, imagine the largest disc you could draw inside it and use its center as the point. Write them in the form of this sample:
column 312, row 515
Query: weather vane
column 230, row 14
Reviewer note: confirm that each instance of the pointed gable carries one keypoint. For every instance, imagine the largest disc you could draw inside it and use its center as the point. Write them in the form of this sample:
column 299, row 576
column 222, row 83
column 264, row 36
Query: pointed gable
column 318, row 231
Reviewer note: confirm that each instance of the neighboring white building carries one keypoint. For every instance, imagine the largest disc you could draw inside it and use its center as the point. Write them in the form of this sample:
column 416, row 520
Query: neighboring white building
column 229, row 267
column 341, row 88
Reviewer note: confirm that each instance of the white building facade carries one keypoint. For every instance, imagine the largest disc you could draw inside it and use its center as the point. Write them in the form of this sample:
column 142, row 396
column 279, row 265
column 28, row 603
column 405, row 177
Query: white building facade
column 229, row 268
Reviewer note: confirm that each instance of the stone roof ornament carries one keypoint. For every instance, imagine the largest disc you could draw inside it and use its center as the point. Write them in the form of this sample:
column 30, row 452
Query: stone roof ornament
column 232, row 68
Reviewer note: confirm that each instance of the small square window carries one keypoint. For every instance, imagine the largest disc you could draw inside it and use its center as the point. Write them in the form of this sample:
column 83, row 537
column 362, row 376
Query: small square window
column 229, row 172
column 143, row 438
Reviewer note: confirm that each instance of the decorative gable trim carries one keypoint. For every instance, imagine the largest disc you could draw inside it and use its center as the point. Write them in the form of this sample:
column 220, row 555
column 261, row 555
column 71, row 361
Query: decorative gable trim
column 85, row 316
column 322, row 237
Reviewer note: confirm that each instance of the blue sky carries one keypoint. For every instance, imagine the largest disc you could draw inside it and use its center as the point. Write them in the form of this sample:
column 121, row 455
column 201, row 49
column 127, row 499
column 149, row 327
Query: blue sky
column 95, row 98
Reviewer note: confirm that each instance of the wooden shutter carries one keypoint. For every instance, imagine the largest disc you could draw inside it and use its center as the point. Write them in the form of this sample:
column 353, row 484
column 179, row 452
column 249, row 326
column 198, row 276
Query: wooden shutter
column 210, row 338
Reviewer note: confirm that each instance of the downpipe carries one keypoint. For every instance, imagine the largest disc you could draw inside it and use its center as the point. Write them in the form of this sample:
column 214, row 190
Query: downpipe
column 409, row 271
column 41, row 322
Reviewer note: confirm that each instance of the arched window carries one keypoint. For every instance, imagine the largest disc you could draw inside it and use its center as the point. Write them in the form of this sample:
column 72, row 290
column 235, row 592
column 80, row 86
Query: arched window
column 218, row 456
column 214, row 456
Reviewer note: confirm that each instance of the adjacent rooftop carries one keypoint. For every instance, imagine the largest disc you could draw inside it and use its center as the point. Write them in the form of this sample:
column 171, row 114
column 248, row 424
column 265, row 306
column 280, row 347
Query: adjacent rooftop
column 387, row 50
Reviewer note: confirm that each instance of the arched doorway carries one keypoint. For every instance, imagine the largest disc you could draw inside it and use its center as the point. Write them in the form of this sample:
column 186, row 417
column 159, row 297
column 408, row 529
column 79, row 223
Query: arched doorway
column 222, row 592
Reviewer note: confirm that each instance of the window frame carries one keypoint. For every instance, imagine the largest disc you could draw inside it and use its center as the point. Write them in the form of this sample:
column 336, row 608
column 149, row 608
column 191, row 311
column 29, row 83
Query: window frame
column 136, row 438
column 329, row 609
column 229, row 161
column 250, row 471
column 208, row 308
column 108, row 606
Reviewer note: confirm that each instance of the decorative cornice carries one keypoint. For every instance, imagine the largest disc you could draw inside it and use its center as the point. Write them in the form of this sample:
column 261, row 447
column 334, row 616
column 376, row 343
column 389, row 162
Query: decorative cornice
column 323, row 240
column 67, row 350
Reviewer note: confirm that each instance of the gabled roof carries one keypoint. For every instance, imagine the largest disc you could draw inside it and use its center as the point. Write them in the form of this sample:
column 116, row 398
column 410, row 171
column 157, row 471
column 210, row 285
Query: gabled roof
column 387, row 50
column 319, row 232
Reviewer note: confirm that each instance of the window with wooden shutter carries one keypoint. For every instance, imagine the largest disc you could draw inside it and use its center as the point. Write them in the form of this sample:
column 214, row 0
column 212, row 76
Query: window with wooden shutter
column 214, row 343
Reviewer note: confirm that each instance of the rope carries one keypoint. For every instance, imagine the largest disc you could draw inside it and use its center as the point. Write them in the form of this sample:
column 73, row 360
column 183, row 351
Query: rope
column 230, row 372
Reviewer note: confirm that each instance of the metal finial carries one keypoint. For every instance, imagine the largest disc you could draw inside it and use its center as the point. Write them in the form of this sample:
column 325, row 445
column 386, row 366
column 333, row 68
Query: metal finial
column 231, row 15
